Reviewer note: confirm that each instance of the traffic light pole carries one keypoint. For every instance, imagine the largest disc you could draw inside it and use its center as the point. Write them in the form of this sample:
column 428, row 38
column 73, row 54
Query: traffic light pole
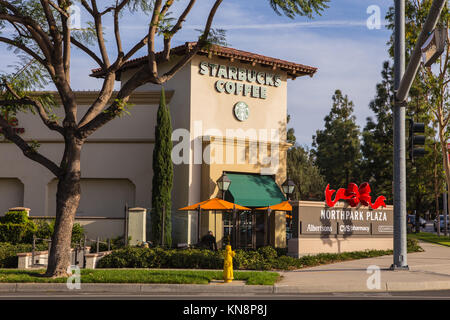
column 402, row 84
column 400, row 245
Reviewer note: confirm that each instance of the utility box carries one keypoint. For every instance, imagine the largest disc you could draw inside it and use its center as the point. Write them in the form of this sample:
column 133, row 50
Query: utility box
column 137, row 218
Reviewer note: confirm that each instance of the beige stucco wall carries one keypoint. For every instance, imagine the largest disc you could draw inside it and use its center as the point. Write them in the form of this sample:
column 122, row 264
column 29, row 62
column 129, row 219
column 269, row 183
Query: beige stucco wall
column 11, row 194
column 179, row 105
column 120, row 151
column 199, row 108
column 213, row 171
column 307, row 246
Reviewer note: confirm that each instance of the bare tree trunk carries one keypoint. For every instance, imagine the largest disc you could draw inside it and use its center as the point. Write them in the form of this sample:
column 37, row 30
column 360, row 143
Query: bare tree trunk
column 67, row 201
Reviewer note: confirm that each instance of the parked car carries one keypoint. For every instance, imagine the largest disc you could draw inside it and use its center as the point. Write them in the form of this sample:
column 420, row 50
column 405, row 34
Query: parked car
column 442, row 225
column 411, row 222
column 423, row 222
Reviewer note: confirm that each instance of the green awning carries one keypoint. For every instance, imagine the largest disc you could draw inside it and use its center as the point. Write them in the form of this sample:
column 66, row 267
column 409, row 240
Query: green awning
column 251, row 190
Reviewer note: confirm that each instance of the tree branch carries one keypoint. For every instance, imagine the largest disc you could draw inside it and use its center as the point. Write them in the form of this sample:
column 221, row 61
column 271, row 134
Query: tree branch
column 27, row 150
column 88, row 51
column 99, row 31
column 51, row 124
column 101, row 101
column 153, row 67
column 24, row 49
column 58, row 8
column 140, row 78
column 175, row 29
column 202, row 41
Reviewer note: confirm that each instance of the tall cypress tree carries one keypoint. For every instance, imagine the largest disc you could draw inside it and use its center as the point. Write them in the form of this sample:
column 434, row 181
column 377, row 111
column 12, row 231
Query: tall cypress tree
column 162, row 175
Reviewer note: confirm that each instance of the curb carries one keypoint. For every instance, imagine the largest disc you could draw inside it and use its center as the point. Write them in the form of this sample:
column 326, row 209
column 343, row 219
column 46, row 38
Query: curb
column 215, row 289
column 133, row 288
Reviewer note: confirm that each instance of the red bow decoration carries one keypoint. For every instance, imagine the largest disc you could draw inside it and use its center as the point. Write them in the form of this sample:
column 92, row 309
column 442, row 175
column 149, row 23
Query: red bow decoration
column 354, row 196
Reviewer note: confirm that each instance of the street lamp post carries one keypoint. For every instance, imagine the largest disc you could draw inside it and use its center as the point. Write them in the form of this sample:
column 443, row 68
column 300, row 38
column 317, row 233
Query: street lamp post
column 288, row 188
column 223, row 183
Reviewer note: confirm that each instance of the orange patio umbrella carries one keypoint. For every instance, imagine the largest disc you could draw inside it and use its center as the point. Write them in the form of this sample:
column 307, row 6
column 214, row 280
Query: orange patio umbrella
column 214, row 204
column 283, row 206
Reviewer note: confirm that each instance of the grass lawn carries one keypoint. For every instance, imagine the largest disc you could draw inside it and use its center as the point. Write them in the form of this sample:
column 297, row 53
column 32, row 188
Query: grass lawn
column 430, row 237
column 141, row 276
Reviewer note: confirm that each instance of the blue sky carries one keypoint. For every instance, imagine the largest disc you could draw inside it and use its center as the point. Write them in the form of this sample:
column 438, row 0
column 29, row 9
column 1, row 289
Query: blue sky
column 349, row 55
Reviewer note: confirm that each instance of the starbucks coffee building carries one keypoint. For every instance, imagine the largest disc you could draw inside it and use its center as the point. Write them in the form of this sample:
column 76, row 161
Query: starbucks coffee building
column 229, row 113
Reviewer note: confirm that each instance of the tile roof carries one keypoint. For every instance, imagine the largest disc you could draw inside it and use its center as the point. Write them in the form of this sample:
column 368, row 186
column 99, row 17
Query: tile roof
column 293, row 69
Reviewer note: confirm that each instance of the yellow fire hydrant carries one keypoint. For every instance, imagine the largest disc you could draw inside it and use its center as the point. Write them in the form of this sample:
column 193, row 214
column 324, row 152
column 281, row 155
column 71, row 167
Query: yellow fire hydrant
column 228, row 264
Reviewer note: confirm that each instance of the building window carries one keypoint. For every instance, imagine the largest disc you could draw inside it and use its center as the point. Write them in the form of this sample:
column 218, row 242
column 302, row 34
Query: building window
column 227, row 218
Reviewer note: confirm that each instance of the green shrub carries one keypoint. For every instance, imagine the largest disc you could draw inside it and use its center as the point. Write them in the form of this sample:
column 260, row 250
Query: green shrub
column 268, row 253
column 45, row 229
column 413, row 245
column 266, row 258
column 133, row 257
column 16, row 227
column 77, row 233
column 15, row 217
column 115, row 244
column 8, row 253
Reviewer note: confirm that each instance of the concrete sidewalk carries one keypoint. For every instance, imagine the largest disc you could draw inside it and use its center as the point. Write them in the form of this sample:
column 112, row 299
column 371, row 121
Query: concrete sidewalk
column 429, row 270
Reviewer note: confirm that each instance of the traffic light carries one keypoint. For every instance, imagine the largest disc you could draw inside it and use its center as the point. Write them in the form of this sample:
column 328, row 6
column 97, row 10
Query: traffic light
column 416, row 140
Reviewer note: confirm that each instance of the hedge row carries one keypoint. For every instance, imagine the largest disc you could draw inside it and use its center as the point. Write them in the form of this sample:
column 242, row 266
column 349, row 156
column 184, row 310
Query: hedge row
column 133, row 257
column 265, row 258
column 8, row 253
column 16, row 227
column 262, row 259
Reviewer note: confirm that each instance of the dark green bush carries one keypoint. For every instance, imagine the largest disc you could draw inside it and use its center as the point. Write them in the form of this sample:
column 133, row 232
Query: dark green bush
column 268, row 253
column 15, row 217
column 8, row 253
column 77, row 233
column 413, row 245
column 133, row 257
column 45, row 229
column 16, row 227
column 265, row 258
column 115, row 244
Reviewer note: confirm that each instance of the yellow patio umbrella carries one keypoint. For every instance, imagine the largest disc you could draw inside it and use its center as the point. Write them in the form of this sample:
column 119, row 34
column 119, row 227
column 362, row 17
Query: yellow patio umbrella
column 212, row 205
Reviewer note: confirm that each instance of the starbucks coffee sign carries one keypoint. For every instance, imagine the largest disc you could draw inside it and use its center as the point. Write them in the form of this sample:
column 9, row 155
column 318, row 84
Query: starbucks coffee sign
column 240, row 81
